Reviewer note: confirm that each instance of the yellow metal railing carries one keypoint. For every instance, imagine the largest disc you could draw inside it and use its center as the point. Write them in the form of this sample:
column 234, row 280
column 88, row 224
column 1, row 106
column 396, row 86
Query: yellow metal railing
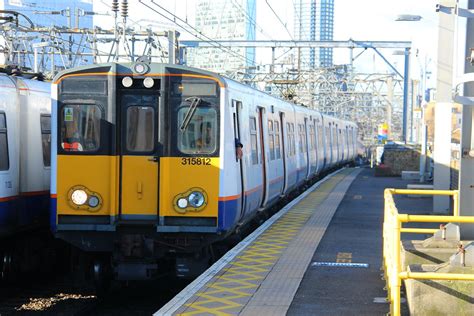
column 392, row 228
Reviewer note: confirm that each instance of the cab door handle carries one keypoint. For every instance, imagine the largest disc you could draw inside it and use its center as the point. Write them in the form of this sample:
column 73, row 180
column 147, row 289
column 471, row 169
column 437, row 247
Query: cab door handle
column 153, row 159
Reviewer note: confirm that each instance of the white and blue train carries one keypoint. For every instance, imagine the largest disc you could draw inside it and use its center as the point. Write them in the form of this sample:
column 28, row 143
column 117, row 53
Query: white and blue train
column 25, row 145
column 145, row 165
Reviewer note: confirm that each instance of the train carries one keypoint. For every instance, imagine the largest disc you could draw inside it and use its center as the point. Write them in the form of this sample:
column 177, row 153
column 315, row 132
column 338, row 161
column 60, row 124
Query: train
column 25, row 159
column 153, row 163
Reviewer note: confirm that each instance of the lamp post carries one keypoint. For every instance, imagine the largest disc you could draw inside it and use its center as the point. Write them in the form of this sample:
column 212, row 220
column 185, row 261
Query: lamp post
column 406, row 79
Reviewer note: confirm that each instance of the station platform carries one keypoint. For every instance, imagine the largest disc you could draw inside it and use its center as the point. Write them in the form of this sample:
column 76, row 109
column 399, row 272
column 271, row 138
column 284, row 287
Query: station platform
column 320, row 255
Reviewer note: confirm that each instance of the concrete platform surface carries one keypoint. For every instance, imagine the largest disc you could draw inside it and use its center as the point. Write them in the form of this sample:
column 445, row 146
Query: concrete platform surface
column 354, row 236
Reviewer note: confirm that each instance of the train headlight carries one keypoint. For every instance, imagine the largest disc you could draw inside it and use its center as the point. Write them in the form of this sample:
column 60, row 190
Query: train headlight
column 193, row 200
column 127, row 82
column 79, row 197
column 140, row 68
column 182, row 203
column 196, row 199
column 93, row 201
column 148, row 82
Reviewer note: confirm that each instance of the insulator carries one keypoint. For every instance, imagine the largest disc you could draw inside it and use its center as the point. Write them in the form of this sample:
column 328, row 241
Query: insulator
column 124, row 8
column 115, row 6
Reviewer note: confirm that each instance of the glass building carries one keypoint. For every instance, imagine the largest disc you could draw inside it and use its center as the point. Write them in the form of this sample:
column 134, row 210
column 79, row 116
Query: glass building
column 224, row 20
column 314, row 21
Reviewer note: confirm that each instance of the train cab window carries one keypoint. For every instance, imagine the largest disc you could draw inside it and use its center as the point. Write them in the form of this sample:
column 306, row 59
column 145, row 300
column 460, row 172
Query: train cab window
column 140, row 129
column 277, row 140
column 253, row 140
column 200, row 132
column 271, row 140
column 4, row 161
column 80, row 127
column 45, row 122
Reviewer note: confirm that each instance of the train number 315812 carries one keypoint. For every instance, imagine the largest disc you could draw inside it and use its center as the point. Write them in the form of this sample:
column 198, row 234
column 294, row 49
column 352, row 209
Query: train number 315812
column 196, row 161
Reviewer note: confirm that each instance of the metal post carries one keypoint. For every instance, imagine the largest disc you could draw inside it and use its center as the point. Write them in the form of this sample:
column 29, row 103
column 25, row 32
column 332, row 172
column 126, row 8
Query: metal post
column 272, row 67
column 424, row 145
column 405, row 93
column 466, row 172
column 171, row 47
column 78, row 12
column 35, row 52
column 68, row 16
column 442, row 131
column 389, row 106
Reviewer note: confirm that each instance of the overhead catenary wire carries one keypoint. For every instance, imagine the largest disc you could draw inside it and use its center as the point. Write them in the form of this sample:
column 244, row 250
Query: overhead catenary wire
column 198, row 33
column 250, row 19
column 284, row 25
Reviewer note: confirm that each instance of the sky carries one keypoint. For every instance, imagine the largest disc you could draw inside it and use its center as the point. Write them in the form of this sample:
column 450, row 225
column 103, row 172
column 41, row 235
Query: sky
column 369, row 20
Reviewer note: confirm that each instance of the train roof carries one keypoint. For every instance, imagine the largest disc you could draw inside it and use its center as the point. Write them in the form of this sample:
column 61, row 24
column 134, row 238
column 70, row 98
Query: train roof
column 127, row 68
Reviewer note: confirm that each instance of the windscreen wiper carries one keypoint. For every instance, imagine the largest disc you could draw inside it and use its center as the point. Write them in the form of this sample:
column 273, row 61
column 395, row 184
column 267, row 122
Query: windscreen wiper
column 195, row 101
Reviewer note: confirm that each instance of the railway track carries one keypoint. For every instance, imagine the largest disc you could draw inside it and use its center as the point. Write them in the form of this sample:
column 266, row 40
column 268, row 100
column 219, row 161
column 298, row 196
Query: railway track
column 65, row 298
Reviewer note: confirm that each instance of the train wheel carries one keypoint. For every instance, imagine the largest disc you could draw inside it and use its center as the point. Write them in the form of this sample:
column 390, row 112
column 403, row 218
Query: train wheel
column 102, row 276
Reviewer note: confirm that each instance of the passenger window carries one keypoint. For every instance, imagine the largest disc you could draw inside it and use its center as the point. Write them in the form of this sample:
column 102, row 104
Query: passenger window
column 302, row 135
column 271, row 140
column 140, row 135
column 291, row 139
column 45, row 122
column 253, row 140
column 200, row 135
column 80, row 127
column 4, row 160
column 292, row 135
column 277, row 140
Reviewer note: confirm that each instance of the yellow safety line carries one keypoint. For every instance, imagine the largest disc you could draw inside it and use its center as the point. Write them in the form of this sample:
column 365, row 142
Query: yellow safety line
column 220, row 295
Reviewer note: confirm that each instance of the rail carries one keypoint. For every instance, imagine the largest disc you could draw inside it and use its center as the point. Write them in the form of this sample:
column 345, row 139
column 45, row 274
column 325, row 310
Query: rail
column 392, row 229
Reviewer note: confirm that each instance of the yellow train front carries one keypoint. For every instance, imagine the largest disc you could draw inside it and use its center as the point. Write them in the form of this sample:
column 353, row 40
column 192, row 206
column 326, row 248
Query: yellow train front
column 135, row 167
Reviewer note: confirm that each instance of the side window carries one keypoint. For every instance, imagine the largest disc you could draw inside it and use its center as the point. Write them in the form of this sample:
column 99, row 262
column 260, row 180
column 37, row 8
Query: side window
column 277, row 140
column 200, row 135
column 328, row 135
column 271, row 140
column 288, row 136
column 312, row 139
column 4, row 161
column 45, row 122
column 140, row 135
column 253, row 140
column 80, row 127
column 320, row 136
column 302, row 136
column 291, row 139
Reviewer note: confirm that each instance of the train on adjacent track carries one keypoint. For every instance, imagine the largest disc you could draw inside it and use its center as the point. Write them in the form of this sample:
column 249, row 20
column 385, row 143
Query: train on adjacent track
column 158, row 162
column 25, row 152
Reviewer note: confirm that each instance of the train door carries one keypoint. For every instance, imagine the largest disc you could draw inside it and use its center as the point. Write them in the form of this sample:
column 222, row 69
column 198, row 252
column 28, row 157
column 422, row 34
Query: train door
column 261, row 121
column 139, row 155
column 242, row 179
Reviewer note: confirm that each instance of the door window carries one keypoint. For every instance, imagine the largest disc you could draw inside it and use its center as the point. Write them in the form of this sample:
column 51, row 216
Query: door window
column 253, row 140
column 140, row 135
column 4, row 161
column 45, row 122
